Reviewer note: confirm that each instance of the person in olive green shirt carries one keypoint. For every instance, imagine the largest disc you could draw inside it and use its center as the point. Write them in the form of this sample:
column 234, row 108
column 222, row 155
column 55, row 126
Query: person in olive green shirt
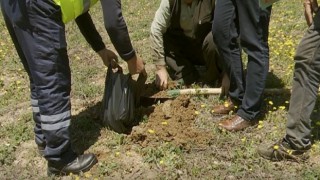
column 182, row 41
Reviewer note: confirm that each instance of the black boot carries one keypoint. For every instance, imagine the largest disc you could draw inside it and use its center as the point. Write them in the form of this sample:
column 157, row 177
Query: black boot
column 81, row 164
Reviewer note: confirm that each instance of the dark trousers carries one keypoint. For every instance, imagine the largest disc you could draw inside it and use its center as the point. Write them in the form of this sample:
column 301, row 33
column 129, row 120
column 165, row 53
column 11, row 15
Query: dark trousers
column 243, row 20
column 305, row 86
column 37, row 32
column 183, row 54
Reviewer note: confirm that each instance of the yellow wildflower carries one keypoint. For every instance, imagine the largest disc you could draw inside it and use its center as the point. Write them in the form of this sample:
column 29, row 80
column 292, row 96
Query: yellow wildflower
column 244, row 139
column 164, row 123
column 87, row 175
column 151, row 131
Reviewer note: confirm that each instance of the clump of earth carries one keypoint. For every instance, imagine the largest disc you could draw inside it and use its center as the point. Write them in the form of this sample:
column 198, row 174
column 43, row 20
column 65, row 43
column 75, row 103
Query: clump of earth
column 172, row 120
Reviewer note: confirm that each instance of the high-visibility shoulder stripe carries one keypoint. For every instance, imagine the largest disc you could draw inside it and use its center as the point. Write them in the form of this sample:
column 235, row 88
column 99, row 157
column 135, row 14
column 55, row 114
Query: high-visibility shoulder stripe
column 71, row 9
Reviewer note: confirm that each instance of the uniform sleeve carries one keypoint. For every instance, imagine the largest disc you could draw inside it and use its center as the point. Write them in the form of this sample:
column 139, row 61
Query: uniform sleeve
column 159, row 26
column 89, row 31
column 117, row 28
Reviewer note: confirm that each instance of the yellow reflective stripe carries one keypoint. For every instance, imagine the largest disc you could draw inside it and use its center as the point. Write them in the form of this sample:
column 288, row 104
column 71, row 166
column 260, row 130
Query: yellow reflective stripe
column 78, row 8
column 67, row 9
column 57, row 2
column 73, row 8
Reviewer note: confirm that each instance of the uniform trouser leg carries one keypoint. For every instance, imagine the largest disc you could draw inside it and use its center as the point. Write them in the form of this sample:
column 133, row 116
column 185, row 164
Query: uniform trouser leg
column 43, row 45
column 304, row 88
column 212, row 60
column 39, row 137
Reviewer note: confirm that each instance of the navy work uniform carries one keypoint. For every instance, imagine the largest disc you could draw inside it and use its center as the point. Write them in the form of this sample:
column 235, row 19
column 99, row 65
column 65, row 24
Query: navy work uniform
column 39, row 37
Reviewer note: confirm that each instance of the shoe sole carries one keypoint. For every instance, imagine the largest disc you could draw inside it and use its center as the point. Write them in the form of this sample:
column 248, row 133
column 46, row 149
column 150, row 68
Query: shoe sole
column 293, row 159
column 55, row 172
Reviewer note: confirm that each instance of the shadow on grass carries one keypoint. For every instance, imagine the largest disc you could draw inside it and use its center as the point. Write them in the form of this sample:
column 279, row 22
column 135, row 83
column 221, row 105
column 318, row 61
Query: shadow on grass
column 273, row 81
column 274, row 99
column 85, row 128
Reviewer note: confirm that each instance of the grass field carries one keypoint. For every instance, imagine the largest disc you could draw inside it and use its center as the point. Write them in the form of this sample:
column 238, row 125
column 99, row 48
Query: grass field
column 227, row 156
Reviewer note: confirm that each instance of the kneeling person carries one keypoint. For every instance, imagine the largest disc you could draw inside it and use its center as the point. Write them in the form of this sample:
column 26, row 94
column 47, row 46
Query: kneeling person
column 182, row 40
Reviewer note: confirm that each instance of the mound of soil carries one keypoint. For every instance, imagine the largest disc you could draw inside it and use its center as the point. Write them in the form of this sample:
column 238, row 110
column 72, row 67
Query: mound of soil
column 151, row 91
column 172, row 121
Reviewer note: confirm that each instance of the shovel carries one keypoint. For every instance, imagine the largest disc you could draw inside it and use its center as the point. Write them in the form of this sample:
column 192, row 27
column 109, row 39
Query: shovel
column 148, row 99
column 161, row 96
column 208, row 91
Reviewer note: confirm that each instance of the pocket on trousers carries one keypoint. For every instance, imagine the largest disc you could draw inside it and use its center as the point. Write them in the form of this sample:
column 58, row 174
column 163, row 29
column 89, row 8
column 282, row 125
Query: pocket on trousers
column 46, row 19
column 46, row 9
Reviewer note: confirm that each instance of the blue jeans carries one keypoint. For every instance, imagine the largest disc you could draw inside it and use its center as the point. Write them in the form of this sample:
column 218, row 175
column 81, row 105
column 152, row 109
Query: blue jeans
column 243, row 20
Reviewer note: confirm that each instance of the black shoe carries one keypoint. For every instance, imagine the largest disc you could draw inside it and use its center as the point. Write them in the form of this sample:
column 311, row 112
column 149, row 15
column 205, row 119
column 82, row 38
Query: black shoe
column 81, row 164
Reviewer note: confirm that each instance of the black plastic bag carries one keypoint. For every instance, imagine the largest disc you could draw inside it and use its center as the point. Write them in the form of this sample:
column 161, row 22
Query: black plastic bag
column 121, row 97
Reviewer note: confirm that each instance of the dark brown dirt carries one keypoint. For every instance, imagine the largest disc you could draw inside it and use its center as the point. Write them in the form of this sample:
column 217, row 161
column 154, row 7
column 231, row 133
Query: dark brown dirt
column 151, row 91
column 172, row 121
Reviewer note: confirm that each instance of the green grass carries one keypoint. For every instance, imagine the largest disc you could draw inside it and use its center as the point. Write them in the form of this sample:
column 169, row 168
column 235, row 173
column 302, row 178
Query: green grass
column 229, row 156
